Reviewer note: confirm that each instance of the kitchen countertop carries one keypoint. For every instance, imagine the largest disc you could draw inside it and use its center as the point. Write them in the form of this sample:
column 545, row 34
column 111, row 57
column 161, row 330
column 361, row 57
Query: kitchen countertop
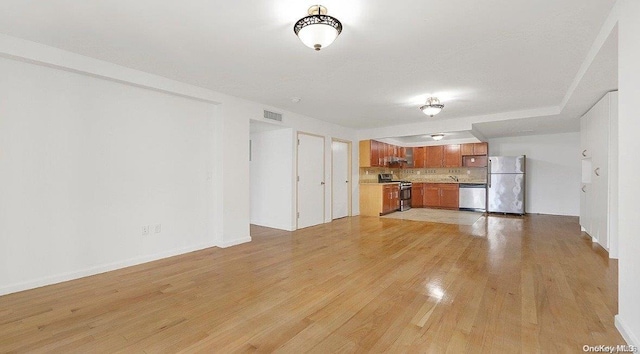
column 441, row 181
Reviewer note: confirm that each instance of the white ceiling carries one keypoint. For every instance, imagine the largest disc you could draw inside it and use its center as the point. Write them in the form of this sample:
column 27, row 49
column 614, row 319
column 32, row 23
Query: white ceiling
column 479, row 57
column 426, row 139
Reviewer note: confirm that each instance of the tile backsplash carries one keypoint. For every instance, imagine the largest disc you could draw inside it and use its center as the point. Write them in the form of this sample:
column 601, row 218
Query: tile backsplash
column 428, row 175
column 370, row 174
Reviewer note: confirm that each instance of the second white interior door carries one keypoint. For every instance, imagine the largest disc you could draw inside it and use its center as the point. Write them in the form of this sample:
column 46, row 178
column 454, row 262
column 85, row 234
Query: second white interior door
column 340, row 179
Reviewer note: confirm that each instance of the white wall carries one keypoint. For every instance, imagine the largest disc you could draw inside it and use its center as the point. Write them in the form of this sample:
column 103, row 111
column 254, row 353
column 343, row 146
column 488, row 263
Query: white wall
column 553, row 170
column 86, row 162
column 58, row 222
column 628, row 319
column 272, row 187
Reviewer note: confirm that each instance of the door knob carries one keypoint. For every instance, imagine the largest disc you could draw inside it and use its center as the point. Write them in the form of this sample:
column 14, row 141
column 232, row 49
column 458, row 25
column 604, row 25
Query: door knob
column 322, row 183
column 346, row 181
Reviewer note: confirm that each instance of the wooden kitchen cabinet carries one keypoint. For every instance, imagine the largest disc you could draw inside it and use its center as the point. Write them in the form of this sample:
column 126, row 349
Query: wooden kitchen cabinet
column 466, row 149
column 443, row 156
column 474, row 161
column 441, row 195
column 476, row 149
column 372, row 153
column 417, row 195
column 391, row 198
column 419, row 157
column 480, row 149
column 378, row 154
column 434, row 157
column 452, row 156
column 431, row 195
column 368, row 153
column 378, row 199
column 450, row 195
column 375, row 153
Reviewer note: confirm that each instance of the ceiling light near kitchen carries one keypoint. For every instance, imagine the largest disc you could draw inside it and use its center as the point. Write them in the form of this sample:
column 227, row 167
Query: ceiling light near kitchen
column 432, row 107
column 437, row 137
column 318, row 30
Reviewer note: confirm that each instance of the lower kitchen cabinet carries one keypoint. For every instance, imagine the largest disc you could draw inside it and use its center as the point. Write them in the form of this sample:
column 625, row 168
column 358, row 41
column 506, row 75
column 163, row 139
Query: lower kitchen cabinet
column 390, row 199
column 378, row 199
column 417, row 195
column 441, row 195
column 431, row 195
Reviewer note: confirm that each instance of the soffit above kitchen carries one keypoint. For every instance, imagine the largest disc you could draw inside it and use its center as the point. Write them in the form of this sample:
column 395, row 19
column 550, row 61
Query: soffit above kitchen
column 477, row 57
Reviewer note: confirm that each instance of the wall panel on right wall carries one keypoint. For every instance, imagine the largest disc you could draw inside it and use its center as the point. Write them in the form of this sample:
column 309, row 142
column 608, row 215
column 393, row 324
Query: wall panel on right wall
column 553, row 170
column 628, row 319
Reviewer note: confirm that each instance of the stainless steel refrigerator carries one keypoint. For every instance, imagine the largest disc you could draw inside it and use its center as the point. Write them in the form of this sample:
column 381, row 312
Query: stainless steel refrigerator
column 506, row 184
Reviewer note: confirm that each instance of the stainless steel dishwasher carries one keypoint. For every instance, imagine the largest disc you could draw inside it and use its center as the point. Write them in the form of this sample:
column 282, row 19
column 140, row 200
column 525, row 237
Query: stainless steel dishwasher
column 473, row 196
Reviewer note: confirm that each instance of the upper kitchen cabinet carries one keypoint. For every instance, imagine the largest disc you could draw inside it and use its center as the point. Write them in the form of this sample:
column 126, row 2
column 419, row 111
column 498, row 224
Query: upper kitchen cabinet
column 419, row 157
column 378, row 154
column 599, row 189
column 452, row 157
column 434, row 157
column 368, row 154
column 443, row 156
column 474, row 149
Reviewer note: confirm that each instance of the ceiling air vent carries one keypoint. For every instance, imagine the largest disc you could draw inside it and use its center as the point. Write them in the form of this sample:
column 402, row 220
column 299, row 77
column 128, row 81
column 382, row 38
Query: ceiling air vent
column 273, row 115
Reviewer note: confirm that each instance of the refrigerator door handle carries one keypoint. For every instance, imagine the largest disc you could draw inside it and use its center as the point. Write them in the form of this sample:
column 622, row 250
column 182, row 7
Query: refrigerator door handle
column 489, row 175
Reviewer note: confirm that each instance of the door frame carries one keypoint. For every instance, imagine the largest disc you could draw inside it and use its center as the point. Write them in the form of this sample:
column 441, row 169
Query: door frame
column 349, row 173
column 324, row 171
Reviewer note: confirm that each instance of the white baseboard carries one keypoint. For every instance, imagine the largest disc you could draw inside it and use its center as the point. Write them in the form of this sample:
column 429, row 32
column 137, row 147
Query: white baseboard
column 626, row 333
column 235, row 242
column 272, row 226
column 59, row 278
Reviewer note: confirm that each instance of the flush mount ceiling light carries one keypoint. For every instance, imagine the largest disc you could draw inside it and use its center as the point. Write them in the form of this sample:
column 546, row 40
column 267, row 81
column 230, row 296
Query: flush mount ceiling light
column 437, row 136
column 318, row 30
column 432, row 107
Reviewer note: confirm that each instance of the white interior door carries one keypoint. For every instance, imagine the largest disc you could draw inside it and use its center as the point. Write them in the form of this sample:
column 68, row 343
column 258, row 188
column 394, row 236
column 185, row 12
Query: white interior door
column 340, row 179
column 311, row 182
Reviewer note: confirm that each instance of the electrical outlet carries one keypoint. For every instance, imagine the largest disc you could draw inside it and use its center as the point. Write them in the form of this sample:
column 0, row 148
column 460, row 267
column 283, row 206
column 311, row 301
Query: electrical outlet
column 158, row 228
column 145, row 230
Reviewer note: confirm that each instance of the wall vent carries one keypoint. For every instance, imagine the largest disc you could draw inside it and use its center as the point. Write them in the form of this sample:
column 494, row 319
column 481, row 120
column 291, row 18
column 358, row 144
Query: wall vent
column 273, row 115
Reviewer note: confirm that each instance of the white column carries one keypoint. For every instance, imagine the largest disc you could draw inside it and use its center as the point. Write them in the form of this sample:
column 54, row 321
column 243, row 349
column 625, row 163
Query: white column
column 232, row 165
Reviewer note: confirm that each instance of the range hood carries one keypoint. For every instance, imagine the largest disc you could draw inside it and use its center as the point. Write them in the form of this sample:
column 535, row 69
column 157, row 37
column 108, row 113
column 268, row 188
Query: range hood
column 396, row 160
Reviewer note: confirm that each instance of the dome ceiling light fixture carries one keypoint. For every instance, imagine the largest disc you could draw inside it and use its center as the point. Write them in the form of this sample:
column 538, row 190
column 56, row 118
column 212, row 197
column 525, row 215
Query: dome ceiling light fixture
column 432, row 107
column 437, row 137
column 318, row 30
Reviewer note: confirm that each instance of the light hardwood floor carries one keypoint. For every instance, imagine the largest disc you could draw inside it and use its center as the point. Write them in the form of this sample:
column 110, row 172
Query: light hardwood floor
column 365, row 284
